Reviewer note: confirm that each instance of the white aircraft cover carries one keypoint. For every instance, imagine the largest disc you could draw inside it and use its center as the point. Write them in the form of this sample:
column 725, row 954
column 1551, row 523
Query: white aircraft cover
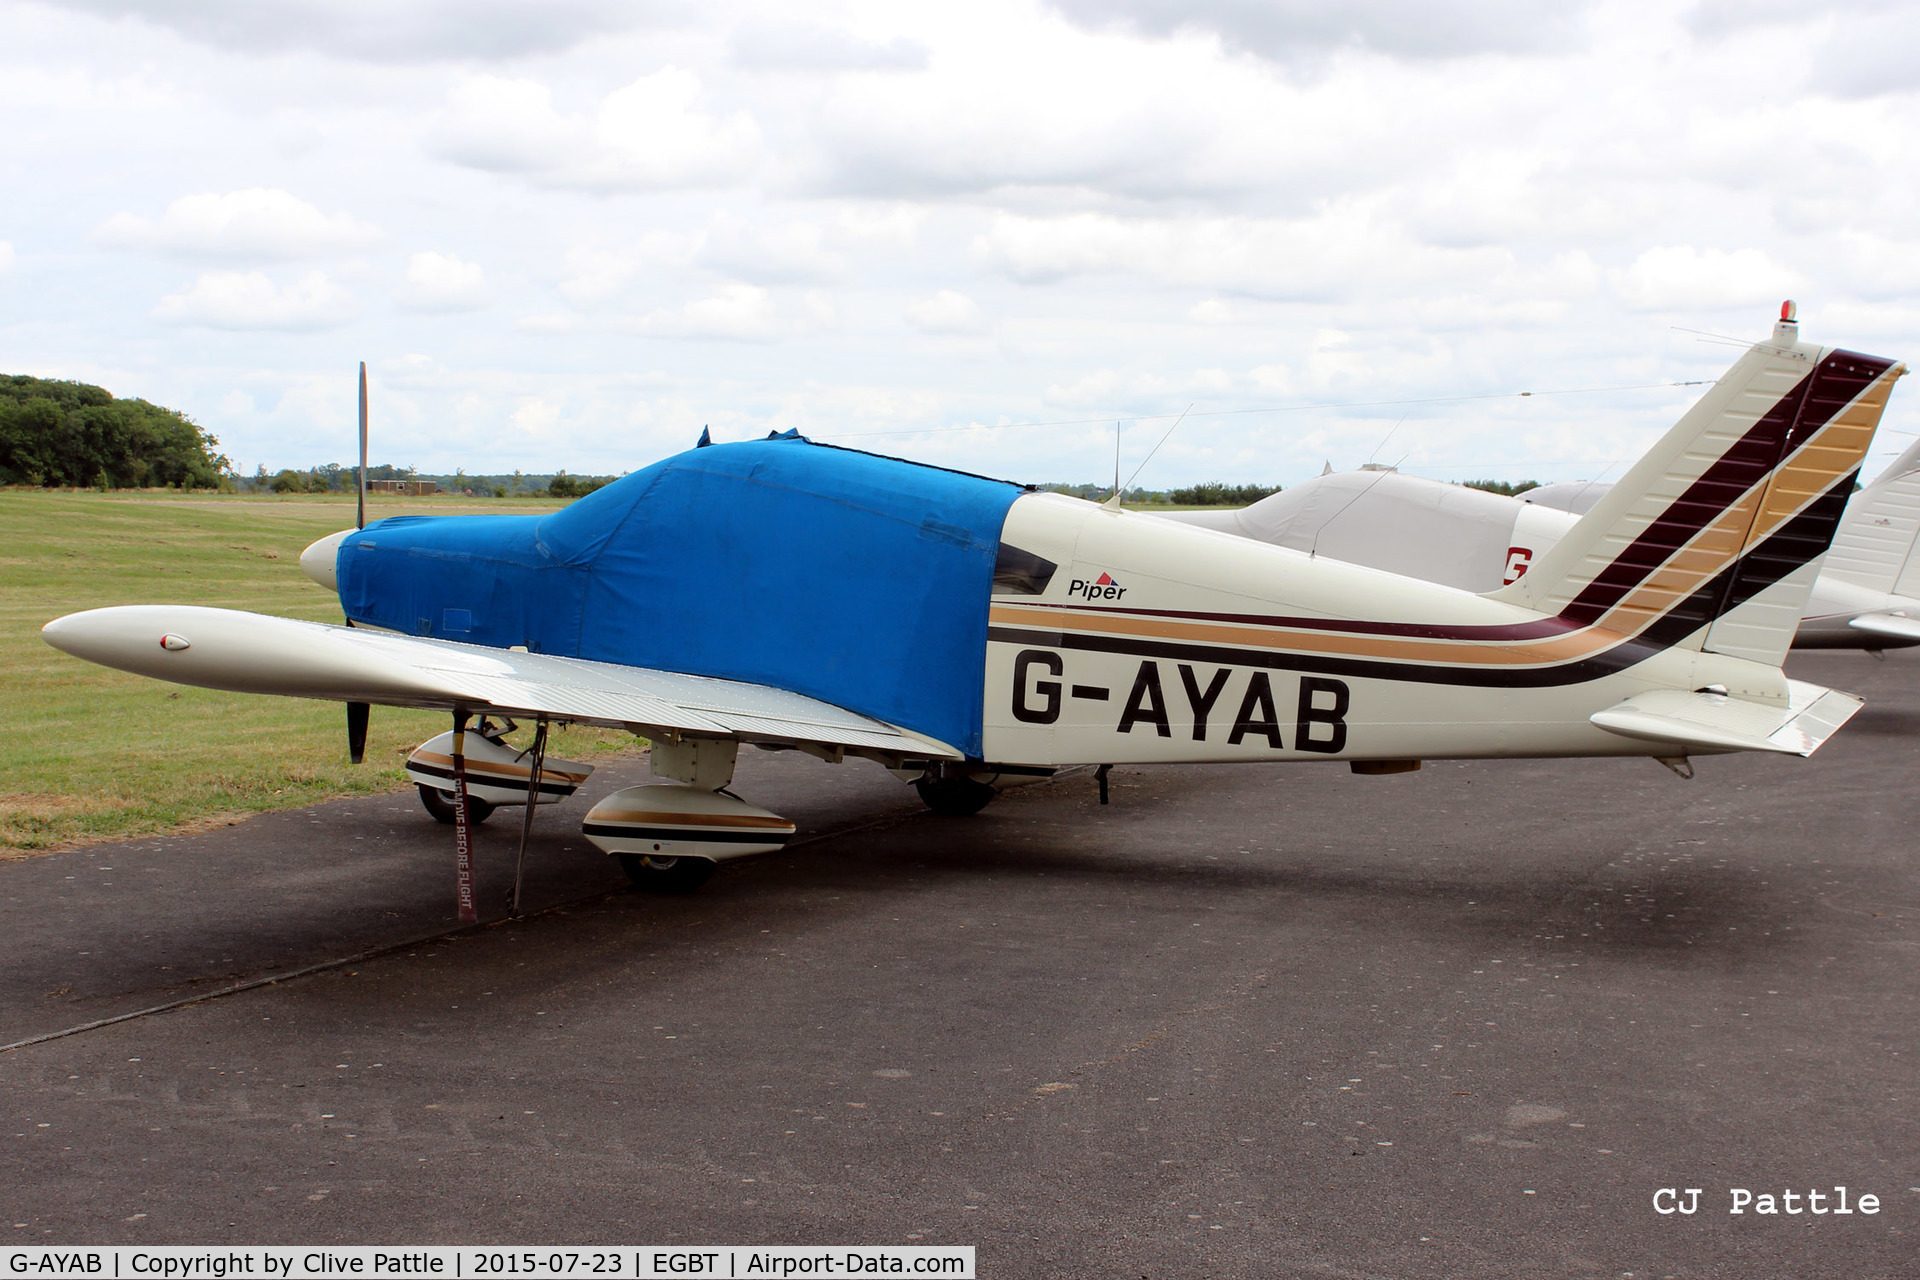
column 252, row 653
column 1575, row 496
column 1462, row 540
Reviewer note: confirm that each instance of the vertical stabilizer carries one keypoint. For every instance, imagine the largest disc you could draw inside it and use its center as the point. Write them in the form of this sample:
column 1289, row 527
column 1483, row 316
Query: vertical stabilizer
column 1713, row 539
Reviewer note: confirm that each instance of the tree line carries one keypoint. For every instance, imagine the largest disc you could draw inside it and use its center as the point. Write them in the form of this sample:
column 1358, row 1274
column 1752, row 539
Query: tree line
column 332, row 477
column 64, row 434
column 1505, row 488
column 1211, row 494
column 60, row 434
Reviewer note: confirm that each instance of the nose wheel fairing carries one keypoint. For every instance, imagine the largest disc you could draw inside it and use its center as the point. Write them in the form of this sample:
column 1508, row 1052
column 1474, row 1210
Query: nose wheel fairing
column 496, row 772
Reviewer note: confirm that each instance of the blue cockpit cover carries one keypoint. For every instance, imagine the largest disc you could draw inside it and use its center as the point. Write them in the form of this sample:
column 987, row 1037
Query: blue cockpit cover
column 859, row 580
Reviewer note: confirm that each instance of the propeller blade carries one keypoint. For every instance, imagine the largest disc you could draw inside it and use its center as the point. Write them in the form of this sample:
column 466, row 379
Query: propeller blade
column 361, row 521
column 357, row 716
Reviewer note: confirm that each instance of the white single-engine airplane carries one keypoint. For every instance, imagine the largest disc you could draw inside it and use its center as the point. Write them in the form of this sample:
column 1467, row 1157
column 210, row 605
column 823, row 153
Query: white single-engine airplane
column 1866, row 594
column 955, row 628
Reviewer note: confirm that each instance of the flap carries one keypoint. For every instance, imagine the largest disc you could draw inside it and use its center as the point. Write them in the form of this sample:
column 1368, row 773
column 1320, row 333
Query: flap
column 1710, row 722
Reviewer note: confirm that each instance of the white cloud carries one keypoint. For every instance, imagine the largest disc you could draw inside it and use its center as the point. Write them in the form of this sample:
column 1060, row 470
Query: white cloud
column 1107, row 389
column 1217, row 311
column 600, row 274
column 738, row 312
column 1681, row 276
column 948, row 311
column 537, row 418
column 1288, row 29
column 649, row 136
column 817, row 304
column 1880, row 267
column 1339, row 253
column 773, row 46
column 1331, row 204
column 249, row 300
column 1040, row 113
column 6, row 256
column 770, row 254
column 388, row 30
column 507, row 126
column 442, row 282
column 257, row 223
column 894, row 225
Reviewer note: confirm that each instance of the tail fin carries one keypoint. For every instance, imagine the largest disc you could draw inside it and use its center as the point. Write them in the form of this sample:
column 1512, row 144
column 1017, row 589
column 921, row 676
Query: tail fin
column 1875, row 547
column 1713, row 539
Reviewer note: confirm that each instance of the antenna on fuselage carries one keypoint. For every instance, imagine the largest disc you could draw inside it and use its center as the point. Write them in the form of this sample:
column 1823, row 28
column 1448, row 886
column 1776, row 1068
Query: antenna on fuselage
column 1114, row 501
column 360, row 519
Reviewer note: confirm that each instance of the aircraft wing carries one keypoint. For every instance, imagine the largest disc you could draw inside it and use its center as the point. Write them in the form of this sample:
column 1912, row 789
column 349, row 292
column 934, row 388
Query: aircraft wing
column 1707, row 722
column 1896, row 626
column 254, row 653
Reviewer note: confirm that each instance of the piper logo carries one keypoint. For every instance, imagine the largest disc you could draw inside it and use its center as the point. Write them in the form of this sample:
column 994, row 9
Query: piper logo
column 1101, row 588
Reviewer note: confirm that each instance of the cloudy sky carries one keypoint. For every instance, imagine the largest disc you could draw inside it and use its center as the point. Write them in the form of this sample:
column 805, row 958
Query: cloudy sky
column 571, row 233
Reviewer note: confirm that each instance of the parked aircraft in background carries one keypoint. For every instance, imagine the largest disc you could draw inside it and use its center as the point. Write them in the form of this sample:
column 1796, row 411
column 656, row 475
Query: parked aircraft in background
column 790, row 595
column 1866, row 596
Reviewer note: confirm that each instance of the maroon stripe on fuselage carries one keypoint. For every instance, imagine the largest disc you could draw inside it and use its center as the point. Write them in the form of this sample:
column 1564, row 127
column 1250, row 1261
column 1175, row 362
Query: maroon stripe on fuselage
column 1538, row 629
column 1832, row 385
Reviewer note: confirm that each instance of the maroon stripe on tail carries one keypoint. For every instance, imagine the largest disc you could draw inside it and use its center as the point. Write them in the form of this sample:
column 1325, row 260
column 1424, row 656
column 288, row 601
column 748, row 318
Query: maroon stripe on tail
column 1809, row 406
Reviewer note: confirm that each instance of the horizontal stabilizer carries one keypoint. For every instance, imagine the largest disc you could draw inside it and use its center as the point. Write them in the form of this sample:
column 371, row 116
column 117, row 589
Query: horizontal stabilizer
column 1708, row 722
column 1897, row 626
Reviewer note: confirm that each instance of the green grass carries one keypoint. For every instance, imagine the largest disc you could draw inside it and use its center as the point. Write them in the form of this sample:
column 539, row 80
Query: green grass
column 96, row 754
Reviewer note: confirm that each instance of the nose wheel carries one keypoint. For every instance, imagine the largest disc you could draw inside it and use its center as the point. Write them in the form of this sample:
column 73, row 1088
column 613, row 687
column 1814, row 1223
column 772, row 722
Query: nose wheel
column 652, row 873
column 954, row 795
column 440, row 804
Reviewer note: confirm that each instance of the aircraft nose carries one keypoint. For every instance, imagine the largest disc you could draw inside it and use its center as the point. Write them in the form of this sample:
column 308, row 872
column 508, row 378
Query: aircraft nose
column 317, row 561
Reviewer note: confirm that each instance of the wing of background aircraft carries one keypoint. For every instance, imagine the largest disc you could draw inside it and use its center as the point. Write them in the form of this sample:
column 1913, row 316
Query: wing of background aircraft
column 1447, row 533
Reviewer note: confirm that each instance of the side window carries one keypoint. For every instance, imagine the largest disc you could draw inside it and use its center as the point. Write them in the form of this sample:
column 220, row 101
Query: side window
column 1017, row 572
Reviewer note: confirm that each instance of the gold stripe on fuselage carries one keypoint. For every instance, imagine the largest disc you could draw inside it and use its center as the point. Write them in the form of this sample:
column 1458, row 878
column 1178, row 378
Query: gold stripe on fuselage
column 1401, row 648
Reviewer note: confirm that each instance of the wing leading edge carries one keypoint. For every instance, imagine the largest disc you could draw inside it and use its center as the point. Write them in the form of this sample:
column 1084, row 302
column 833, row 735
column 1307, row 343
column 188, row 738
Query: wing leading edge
column 253, row 653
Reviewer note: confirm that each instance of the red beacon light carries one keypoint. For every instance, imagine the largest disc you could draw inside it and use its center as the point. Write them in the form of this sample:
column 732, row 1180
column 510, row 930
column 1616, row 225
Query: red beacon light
column 1789, row 314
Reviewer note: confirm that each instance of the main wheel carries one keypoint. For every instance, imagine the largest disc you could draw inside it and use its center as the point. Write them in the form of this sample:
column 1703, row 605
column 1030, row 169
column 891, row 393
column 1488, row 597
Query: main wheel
column 954, row 797
column 440, row 804
column 653, row 874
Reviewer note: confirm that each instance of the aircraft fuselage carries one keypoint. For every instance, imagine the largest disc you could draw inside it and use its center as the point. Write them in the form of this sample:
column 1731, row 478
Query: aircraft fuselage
column 1202, row 646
